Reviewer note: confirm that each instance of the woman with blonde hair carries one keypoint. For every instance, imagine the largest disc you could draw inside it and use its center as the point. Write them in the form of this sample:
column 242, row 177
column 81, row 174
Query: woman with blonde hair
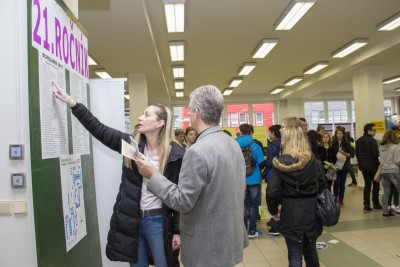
column 389, row 154
column 143, row 230
column 293, row 184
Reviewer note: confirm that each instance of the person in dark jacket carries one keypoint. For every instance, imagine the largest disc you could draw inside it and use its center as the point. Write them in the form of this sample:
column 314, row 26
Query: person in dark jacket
column 368, row 161
column 342, row 147
column 143, row 229
column 293, row 184
column 311, row 138
column 327, row 154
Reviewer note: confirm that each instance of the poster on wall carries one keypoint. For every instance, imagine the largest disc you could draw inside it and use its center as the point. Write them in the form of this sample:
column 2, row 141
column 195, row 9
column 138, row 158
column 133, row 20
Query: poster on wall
column 80, row 137
column 61, row 46
column 72, row 198
column 53, row 114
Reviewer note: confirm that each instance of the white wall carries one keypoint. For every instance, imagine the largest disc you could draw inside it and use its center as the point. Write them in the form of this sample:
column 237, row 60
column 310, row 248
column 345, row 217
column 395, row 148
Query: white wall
column 107, row 104
column 17, row 241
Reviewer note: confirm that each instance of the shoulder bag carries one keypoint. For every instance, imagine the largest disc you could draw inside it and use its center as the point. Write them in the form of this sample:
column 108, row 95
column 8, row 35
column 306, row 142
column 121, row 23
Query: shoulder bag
column 328, row 208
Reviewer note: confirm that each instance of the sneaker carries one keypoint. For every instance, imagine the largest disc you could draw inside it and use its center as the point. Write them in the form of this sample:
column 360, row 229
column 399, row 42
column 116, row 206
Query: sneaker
column 394, row 208
column 254, row 234
column 269, row 223
column 351, row 184
column 367, row 209
column 388, row 214
column 378, row 207
column 274, row 231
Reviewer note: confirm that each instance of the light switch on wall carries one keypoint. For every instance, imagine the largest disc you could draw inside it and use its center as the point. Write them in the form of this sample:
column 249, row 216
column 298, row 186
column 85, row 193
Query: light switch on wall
column 6, row 207
column 20, row 207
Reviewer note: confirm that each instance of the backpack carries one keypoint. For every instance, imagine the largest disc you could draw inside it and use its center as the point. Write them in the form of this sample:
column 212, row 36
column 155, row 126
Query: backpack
column 249, row 159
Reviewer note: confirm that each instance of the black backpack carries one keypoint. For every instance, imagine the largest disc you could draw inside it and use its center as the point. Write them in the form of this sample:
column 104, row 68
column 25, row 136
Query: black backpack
column 249, row 159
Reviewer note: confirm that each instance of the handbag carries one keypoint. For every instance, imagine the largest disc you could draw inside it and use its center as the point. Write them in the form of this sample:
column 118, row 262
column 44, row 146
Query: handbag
column 328, row 208
column 331, row 174
column 377, row 177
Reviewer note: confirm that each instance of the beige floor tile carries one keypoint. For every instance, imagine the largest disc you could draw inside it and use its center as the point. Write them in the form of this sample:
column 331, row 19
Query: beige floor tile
column 277, row 255
column 384, row 244
column 389, row 262
column 279, row 263
column 257, row 264
column 253, row 257
column 377, row 254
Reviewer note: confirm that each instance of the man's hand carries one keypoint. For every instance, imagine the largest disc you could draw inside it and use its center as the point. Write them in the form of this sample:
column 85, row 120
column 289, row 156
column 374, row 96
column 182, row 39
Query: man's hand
column 146, row 169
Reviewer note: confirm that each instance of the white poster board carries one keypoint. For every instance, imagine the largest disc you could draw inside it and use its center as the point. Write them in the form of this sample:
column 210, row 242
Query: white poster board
column 73, row 201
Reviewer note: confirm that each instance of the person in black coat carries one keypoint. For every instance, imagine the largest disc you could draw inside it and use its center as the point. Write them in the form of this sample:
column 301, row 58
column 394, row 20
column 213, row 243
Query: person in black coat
column 143, row 230
column 293, row 184
column 327, row 153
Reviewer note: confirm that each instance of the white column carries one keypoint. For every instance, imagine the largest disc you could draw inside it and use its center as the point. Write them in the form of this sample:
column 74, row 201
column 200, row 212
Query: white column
column 289, row 108
column 107, row 104
column 138, row 98
column 368, row 101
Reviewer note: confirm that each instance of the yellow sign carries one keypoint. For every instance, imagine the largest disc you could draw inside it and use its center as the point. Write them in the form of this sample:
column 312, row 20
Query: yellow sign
column 260, row 133
column 380, row 126
column 232, row 130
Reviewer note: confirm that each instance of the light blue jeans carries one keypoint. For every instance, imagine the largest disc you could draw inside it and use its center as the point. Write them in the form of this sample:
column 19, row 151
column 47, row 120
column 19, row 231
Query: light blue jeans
column 151, row 232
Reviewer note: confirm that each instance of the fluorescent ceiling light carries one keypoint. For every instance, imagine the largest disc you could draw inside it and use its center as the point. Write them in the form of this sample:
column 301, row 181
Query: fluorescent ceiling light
column 293, row 13
column 175, row 15
column 293, row 81
column 227, row 91
column 390, row 24
column 178, row 71
column 276, row 90
column 177, row 50
column 397, row 89
column 179, row 85
column 350, row 48
column 235, row 82
column 179, row 93
column 102, row 73
column 126, row 96
column 246, row 68
column 264, row 48
column 91, row 61
column 391, row 80
column 316, row 67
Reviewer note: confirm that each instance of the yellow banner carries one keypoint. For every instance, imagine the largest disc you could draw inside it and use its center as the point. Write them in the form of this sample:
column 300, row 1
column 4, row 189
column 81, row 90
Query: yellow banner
column 380, row 126
column 260, row 133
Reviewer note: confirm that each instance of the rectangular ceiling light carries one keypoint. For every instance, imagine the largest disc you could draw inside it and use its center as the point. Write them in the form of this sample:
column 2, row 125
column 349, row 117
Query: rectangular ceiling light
column 177, row 51
column 350, row 48
column 264, row 48
column 293, row 13
column 397, row 89
column 391, row 80
column 175, row 15
column 390, row 24
column 126, row 96
column 293, row 81
column 102, row 73
column 179, row 85
column 316, row 67
column 227, row 91
column 179, row 93
column 235, row 82
column 246, row 68
column 92, row 62
column 178, row 71
column 276, row 90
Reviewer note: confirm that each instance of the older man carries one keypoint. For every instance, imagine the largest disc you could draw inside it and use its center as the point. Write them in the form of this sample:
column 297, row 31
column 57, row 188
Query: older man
column 210, row 192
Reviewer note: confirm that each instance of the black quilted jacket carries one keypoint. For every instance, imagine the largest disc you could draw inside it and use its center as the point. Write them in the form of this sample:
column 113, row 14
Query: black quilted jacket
column 124, row 225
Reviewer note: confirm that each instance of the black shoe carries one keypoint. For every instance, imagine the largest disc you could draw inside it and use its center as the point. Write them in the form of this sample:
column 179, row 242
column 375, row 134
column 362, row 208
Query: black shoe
column 388, row 215
column 274, row 231
column 367, row 209
column 378, row 207
column 269, row 223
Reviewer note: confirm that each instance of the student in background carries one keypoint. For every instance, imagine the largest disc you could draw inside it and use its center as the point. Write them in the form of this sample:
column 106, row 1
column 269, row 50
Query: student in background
column 190, row 136
column 327, row 153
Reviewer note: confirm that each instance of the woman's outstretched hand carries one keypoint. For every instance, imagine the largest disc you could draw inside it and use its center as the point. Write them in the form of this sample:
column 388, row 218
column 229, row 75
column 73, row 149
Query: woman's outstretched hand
column 63, row 96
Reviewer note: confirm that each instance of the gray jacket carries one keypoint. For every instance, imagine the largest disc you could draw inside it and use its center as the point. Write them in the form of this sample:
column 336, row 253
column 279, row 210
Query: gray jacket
column 210, row 197
column 390, row 154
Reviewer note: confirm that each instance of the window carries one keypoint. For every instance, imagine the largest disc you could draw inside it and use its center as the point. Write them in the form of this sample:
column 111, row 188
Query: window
column 387, row 107
column 234, row 120
column 259, row 119
column 314, row 113
column 181, row 117
column 243, row 118
column 337, row 111
column 236, row 115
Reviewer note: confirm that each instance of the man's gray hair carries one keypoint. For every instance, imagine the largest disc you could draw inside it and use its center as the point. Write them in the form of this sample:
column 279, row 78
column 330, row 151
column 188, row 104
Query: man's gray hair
column 209, row 102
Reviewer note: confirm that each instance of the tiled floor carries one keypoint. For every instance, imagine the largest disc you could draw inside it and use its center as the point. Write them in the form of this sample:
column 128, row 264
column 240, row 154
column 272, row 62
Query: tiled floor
column 364, row 239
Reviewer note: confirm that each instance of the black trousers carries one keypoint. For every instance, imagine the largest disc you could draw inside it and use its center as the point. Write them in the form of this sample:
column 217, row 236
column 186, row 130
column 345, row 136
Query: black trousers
column 369, row 182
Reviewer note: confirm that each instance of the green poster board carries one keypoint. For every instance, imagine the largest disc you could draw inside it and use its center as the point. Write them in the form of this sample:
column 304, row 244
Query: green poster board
column 46, row 184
